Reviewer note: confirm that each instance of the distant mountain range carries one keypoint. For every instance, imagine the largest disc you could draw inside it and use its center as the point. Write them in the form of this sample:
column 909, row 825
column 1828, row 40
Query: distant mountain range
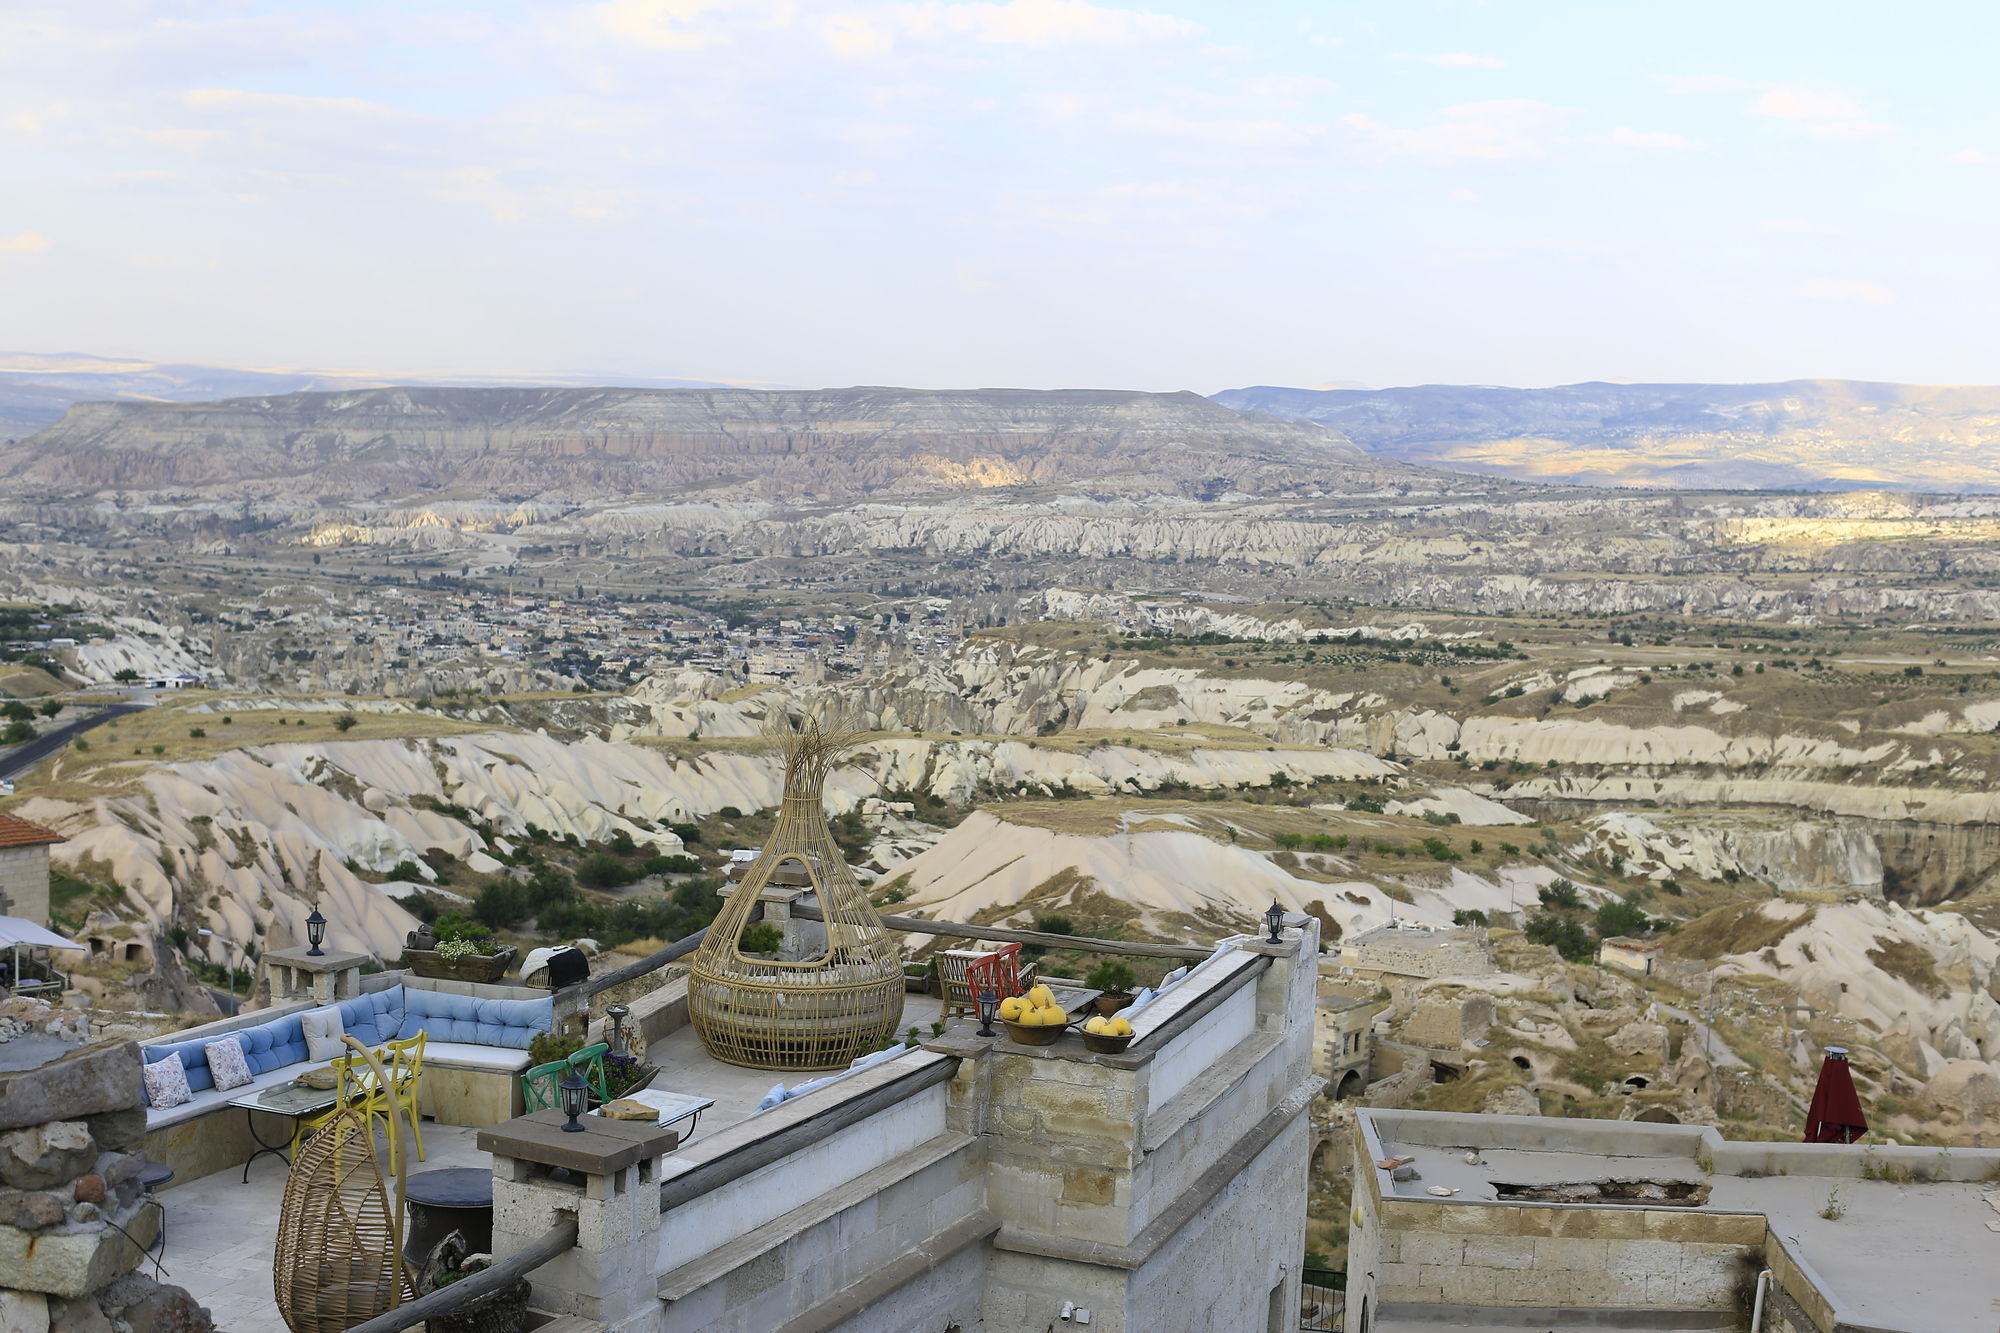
column 594, row 445
column 37, row 388
column 1799, row 434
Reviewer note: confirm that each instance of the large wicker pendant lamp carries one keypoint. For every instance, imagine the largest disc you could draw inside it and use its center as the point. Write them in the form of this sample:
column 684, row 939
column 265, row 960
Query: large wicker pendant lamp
column 815, row 1013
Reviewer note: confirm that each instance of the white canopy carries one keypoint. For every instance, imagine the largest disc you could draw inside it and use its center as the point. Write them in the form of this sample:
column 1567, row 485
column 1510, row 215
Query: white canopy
column 15, row 930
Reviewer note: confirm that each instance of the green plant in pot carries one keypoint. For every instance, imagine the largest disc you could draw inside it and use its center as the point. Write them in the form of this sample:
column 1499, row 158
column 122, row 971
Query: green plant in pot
column 760, row 939
column 1115, row 980
column 464, row 950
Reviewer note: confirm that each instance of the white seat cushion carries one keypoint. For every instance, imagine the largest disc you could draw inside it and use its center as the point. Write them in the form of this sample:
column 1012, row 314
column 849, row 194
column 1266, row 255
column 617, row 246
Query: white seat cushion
column 210, row 1099
column 467, row 1055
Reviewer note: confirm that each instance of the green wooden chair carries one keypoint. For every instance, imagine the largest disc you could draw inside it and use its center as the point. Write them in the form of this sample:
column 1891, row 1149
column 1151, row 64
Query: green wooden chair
column 539, row 1086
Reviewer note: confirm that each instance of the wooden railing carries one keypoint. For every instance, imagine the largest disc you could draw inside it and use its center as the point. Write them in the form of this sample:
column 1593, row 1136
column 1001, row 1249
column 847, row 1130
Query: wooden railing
column 916, row 925
column 460, row 1294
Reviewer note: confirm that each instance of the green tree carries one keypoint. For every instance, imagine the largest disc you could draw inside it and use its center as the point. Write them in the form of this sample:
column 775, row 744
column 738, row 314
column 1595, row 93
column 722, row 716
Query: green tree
column 500, row 904
column 125, row 675
column 16, row 711
column 1565, row 936
column 602, row 870
column 17, row 732
column 51, row 707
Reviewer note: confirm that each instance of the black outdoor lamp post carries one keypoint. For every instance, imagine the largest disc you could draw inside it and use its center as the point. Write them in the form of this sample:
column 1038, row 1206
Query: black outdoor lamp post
column 989, row 1005
column 1274, row 917
column 575, row 1097
column 316, row 933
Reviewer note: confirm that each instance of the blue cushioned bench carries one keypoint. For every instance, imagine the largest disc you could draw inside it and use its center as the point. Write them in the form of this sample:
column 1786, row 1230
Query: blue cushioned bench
column 475, row 1049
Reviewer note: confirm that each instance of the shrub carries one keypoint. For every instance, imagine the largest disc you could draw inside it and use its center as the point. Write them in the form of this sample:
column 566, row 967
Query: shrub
column 501, row 903
column 730, row 812
column 408, row 870
column 760, row 937
column 196, row 733
column 1568, row 938
column 345, row 722
column 1559, row 893
column 18, row 732
column 602, row 870
column 622, row 844
column 1055, row 925
column 685, row 832
column 1110, row 975
column 1622, row 918
column 1468, row 916
column 671, row 865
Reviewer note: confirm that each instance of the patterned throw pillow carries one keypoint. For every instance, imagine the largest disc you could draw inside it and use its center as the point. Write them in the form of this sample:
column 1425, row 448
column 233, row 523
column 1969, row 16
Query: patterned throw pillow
column 167, row 1082
column 226, row 1063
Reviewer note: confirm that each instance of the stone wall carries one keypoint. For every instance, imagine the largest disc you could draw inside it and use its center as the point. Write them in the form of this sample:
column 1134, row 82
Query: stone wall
column 24, row 882
column 74, row 1220
column 1405, row 952
column 1447, row 1022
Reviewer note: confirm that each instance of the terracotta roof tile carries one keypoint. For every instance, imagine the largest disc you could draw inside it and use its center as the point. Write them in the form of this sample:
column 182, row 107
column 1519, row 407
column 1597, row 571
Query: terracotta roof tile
column 20, row 833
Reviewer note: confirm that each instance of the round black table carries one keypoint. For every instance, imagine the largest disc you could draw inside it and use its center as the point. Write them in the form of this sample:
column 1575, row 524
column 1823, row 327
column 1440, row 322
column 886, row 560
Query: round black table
column 453, row 1198
column 151, row 1177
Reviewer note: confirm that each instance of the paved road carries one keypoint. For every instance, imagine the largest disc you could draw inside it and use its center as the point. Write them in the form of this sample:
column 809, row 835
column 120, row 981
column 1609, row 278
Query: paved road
column 25, row 756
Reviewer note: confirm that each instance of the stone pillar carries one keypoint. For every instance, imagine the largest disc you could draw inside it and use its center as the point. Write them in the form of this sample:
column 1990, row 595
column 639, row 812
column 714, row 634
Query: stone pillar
column 294, row 974
column 607, row 1180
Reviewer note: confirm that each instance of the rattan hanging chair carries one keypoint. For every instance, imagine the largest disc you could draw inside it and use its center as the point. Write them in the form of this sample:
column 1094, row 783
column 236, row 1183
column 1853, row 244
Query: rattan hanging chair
column 815, row 1013
column 339, row 1257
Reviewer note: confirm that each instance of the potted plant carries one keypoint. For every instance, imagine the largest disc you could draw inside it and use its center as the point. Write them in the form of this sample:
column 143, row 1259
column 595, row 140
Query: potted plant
column 465, row 951
column 917, row 977
column 1114, row 979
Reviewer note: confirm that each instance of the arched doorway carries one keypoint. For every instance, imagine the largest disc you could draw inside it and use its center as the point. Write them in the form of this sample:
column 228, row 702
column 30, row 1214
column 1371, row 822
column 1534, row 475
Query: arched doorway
column 1350, row 1085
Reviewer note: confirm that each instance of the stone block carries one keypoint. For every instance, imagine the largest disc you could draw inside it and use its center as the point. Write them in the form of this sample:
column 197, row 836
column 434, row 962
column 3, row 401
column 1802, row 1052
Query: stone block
column 1500, row 1251
column 1599, row 1223
column 81, row 1315
column 71, row 1262
column 154, row 1306
column 1083, row 1185
column 24, row 1311
column 1696, row 1226
column 1569, row 1252
column 118, row 1131
column 1419, row 1248
column 87, row 1081
column 31, row 1210
column 38, row 1156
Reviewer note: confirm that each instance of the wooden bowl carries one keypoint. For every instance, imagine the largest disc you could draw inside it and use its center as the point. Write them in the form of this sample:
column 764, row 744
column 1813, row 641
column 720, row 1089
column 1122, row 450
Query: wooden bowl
column 1034, row 1034
column 1106, row 1045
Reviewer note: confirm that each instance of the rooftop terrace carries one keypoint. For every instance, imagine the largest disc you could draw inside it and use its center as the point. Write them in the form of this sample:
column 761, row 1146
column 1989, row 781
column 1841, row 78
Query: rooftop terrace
column 1859, row 1237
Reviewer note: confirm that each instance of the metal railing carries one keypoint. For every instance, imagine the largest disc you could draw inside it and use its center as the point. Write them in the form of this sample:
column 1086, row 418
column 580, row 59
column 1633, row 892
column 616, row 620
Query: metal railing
column 1322, row 1300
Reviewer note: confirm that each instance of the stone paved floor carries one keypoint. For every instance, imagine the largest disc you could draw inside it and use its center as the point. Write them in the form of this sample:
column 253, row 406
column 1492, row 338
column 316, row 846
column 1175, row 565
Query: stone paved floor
column 221, row 1232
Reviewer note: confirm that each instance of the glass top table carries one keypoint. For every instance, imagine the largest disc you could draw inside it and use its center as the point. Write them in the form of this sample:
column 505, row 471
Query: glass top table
column 673, row 1107
column 291, row 1100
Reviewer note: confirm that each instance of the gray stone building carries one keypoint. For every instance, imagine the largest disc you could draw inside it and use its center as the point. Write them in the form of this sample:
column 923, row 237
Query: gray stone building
column 24, row 869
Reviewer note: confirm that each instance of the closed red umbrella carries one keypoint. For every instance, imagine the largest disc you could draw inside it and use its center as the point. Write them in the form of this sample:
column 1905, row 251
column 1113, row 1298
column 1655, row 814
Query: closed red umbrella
column 1835, row 1114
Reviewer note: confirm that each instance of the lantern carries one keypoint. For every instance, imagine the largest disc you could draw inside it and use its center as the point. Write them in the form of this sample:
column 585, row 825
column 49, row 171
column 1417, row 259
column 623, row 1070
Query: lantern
column 316, row 933
column 1274, row 917
column 989, row 1004
column 575, row 1098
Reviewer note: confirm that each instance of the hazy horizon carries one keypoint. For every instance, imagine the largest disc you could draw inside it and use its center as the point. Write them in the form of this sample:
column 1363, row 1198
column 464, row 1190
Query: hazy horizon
column 1034, row 193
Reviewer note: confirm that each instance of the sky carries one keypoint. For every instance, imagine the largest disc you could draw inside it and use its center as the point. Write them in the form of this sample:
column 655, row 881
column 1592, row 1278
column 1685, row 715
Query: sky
column 1038, row 193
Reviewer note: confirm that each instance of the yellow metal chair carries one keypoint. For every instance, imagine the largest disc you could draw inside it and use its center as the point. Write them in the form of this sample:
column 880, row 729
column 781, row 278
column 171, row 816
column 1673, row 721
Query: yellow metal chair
column 361, row 1089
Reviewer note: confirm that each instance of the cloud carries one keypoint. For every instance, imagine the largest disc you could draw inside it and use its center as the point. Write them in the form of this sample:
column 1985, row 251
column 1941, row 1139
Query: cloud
column 1695, row 85
column 1238, row 133
column 1847, row 290
column 683, row 25
column 1286, row 87
column 1043, row 23
column 237, row 101
column 1795, row 227
column 1463, row 60
column 1497, row 131
column 1825, row 113
column 1627, row 137
column 1971, row 157
column 24, row 243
